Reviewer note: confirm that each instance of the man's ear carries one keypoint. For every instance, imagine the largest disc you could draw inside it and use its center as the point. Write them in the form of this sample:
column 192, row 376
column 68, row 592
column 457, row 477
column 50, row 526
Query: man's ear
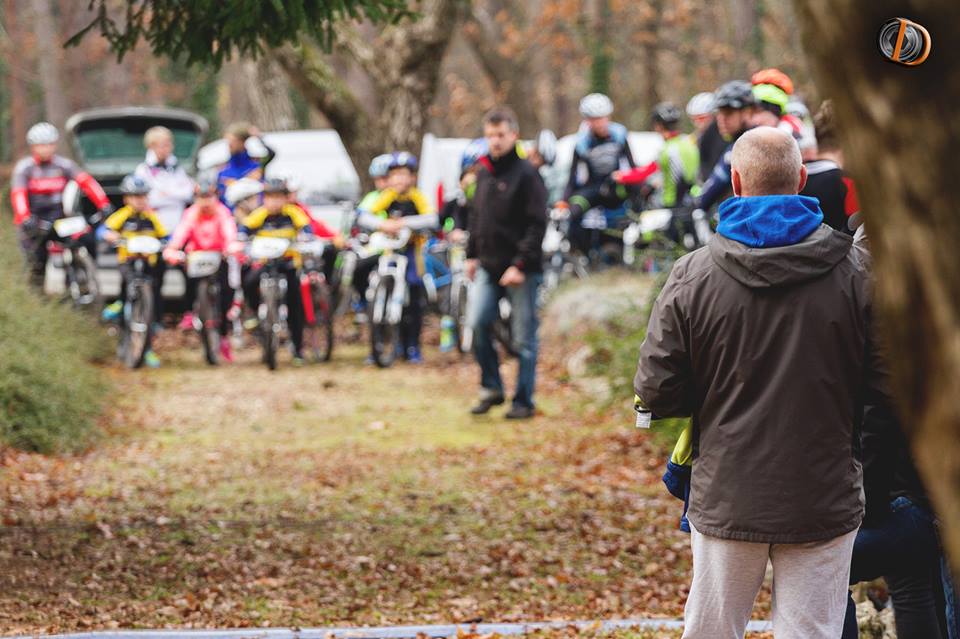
column 735, row 181
column 803, row 177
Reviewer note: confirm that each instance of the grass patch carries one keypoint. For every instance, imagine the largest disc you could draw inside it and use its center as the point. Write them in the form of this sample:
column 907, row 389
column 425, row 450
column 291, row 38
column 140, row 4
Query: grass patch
column 51, row 392
column 616, row 344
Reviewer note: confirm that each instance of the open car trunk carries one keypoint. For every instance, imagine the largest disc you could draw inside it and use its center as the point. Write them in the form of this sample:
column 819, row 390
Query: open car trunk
column 108, row 142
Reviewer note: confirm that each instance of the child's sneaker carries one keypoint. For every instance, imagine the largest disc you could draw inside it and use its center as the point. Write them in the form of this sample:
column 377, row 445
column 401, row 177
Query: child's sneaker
column 111, row 312
column 414, row 356
column 226, row 353
column 151, row 360
column 186, row 323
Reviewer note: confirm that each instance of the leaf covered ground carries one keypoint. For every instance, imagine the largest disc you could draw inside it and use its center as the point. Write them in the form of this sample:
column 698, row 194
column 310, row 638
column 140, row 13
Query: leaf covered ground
column 339, row 495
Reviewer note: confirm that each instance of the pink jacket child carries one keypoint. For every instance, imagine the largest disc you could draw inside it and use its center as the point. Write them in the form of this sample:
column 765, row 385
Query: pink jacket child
column 210, row 228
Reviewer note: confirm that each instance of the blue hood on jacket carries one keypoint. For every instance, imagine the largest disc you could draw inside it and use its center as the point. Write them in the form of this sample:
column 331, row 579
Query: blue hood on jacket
column 769, row 221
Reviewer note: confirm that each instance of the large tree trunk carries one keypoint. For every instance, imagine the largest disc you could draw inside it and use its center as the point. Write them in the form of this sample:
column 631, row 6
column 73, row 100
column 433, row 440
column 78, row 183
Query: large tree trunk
column 650, row 50
column 494, row 31
column 49, row 52
column 272, row 109
column 15, row 82
column 405, row 81
column 900, row 127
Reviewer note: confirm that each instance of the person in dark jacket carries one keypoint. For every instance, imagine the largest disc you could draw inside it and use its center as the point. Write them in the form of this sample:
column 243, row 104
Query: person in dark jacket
column 826, row 179
column 504, row 258
column 763, row 338
column 898, row 540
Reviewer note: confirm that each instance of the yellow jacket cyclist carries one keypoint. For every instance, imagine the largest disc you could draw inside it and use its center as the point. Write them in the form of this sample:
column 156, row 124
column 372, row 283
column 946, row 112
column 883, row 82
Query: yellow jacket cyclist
column 402, row 205
column 134, row 219
column 278, row 218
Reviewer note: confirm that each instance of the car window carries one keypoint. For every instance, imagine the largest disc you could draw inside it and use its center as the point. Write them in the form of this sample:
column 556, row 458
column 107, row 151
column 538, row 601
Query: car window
column 117, row 143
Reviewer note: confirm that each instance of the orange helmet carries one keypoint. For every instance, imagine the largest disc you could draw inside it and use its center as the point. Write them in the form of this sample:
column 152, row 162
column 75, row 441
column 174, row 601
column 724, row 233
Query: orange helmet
column 775, row 77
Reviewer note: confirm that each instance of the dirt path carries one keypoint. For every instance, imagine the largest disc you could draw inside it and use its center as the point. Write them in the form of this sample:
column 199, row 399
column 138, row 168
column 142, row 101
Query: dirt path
column 337, row 495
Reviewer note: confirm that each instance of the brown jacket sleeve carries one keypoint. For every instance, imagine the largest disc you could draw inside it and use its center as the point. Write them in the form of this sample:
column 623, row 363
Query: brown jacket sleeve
column 664, row 380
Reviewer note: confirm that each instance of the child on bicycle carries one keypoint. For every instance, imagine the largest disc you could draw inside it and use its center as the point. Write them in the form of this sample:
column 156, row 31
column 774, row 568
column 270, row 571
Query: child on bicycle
column 320, row 230
column 401, row 205
column 208, row 225
column 133, row 219
column 278, row 218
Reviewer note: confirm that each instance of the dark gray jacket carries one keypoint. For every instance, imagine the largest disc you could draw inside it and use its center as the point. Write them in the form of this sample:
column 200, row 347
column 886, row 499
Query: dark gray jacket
column 769, row 350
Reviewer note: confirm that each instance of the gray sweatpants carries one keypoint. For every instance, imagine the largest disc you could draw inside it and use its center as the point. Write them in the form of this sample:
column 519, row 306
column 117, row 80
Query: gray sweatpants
column 809, row 587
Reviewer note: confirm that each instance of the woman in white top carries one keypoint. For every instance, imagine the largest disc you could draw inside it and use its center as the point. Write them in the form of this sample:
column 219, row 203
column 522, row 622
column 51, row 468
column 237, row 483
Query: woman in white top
column 171, row 189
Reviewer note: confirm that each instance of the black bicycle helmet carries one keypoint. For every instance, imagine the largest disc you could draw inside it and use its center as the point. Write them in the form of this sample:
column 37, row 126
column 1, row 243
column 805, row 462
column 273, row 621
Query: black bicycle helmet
column 736, row 94
column 134, row 185
column 666, row 113
column 275, row 185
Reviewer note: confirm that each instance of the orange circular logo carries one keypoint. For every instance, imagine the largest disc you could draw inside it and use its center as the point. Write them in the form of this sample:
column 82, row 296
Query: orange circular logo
column 904, row 42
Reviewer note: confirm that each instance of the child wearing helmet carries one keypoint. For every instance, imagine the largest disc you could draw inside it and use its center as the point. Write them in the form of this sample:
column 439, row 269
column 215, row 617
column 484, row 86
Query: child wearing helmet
column 455, row 214
column 243, row 196
column 36, row 195
column 207, row 225
column 278, row 218
column 135, row 218
column 379, row 167
column 402, row 205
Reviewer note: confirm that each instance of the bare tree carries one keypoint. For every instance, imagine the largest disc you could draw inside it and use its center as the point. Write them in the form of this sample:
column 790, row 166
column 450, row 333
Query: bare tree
column 268, row 92
column 50, row 55
column 404, row 80
column 13, row 36
column 900, row 126
column 499, row 34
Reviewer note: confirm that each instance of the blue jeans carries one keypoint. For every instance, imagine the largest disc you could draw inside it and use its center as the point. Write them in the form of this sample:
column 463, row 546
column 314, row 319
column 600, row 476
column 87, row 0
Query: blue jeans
column 483, row 310
column 950, row 596
column 903, row 549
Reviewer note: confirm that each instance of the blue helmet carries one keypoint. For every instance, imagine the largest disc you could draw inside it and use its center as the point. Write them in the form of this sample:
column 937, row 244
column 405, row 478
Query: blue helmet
column 380, row 165
column 403, row 159
column 475, row 150
column 134, row 185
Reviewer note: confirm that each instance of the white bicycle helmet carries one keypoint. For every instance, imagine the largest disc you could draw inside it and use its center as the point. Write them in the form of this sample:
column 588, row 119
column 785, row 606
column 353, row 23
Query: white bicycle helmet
column 700, row 104
column 797, row 108
column 596, row 105
column 380, row 165
column 242, row 189
column 43, row 133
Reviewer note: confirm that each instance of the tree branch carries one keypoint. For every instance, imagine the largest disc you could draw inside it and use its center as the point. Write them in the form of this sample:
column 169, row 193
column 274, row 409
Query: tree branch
column 324, row 89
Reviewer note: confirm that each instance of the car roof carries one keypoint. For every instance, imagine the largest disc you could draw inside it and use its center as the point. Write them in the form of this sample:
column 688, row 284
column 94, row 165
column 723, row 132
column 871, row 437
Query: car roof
column 102, row 113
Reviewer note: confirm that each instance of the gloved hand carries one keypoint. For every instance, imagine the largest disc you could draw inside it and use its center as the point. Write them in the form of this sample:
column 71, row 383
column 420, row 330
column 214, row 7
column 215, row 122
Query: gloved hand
column 29, row 225
column 101, row 215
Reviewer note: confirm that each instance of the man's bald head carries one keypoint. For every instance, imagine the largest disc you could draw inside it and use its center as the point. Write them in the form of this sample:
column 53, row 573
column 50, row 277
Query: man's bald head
column 766, row 161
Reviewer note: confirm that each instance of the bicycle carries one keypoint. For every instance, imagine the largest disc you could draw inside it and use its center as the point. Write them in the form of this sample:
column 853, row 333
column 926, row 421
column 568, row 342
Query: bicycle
column 138, row 308
column 387, row 295
column 662, row 235
column 204, row 266
column 560, row 262
column 318, row 303
column 66, row 245
column 271, row 313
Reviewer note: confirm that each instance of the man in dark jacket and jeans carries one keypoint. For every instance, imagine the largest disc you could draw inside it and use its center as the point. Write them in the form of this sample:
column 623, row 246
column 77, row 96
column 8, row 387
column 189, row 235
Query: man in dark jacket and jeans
column 504, row 257
column 763, row 337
